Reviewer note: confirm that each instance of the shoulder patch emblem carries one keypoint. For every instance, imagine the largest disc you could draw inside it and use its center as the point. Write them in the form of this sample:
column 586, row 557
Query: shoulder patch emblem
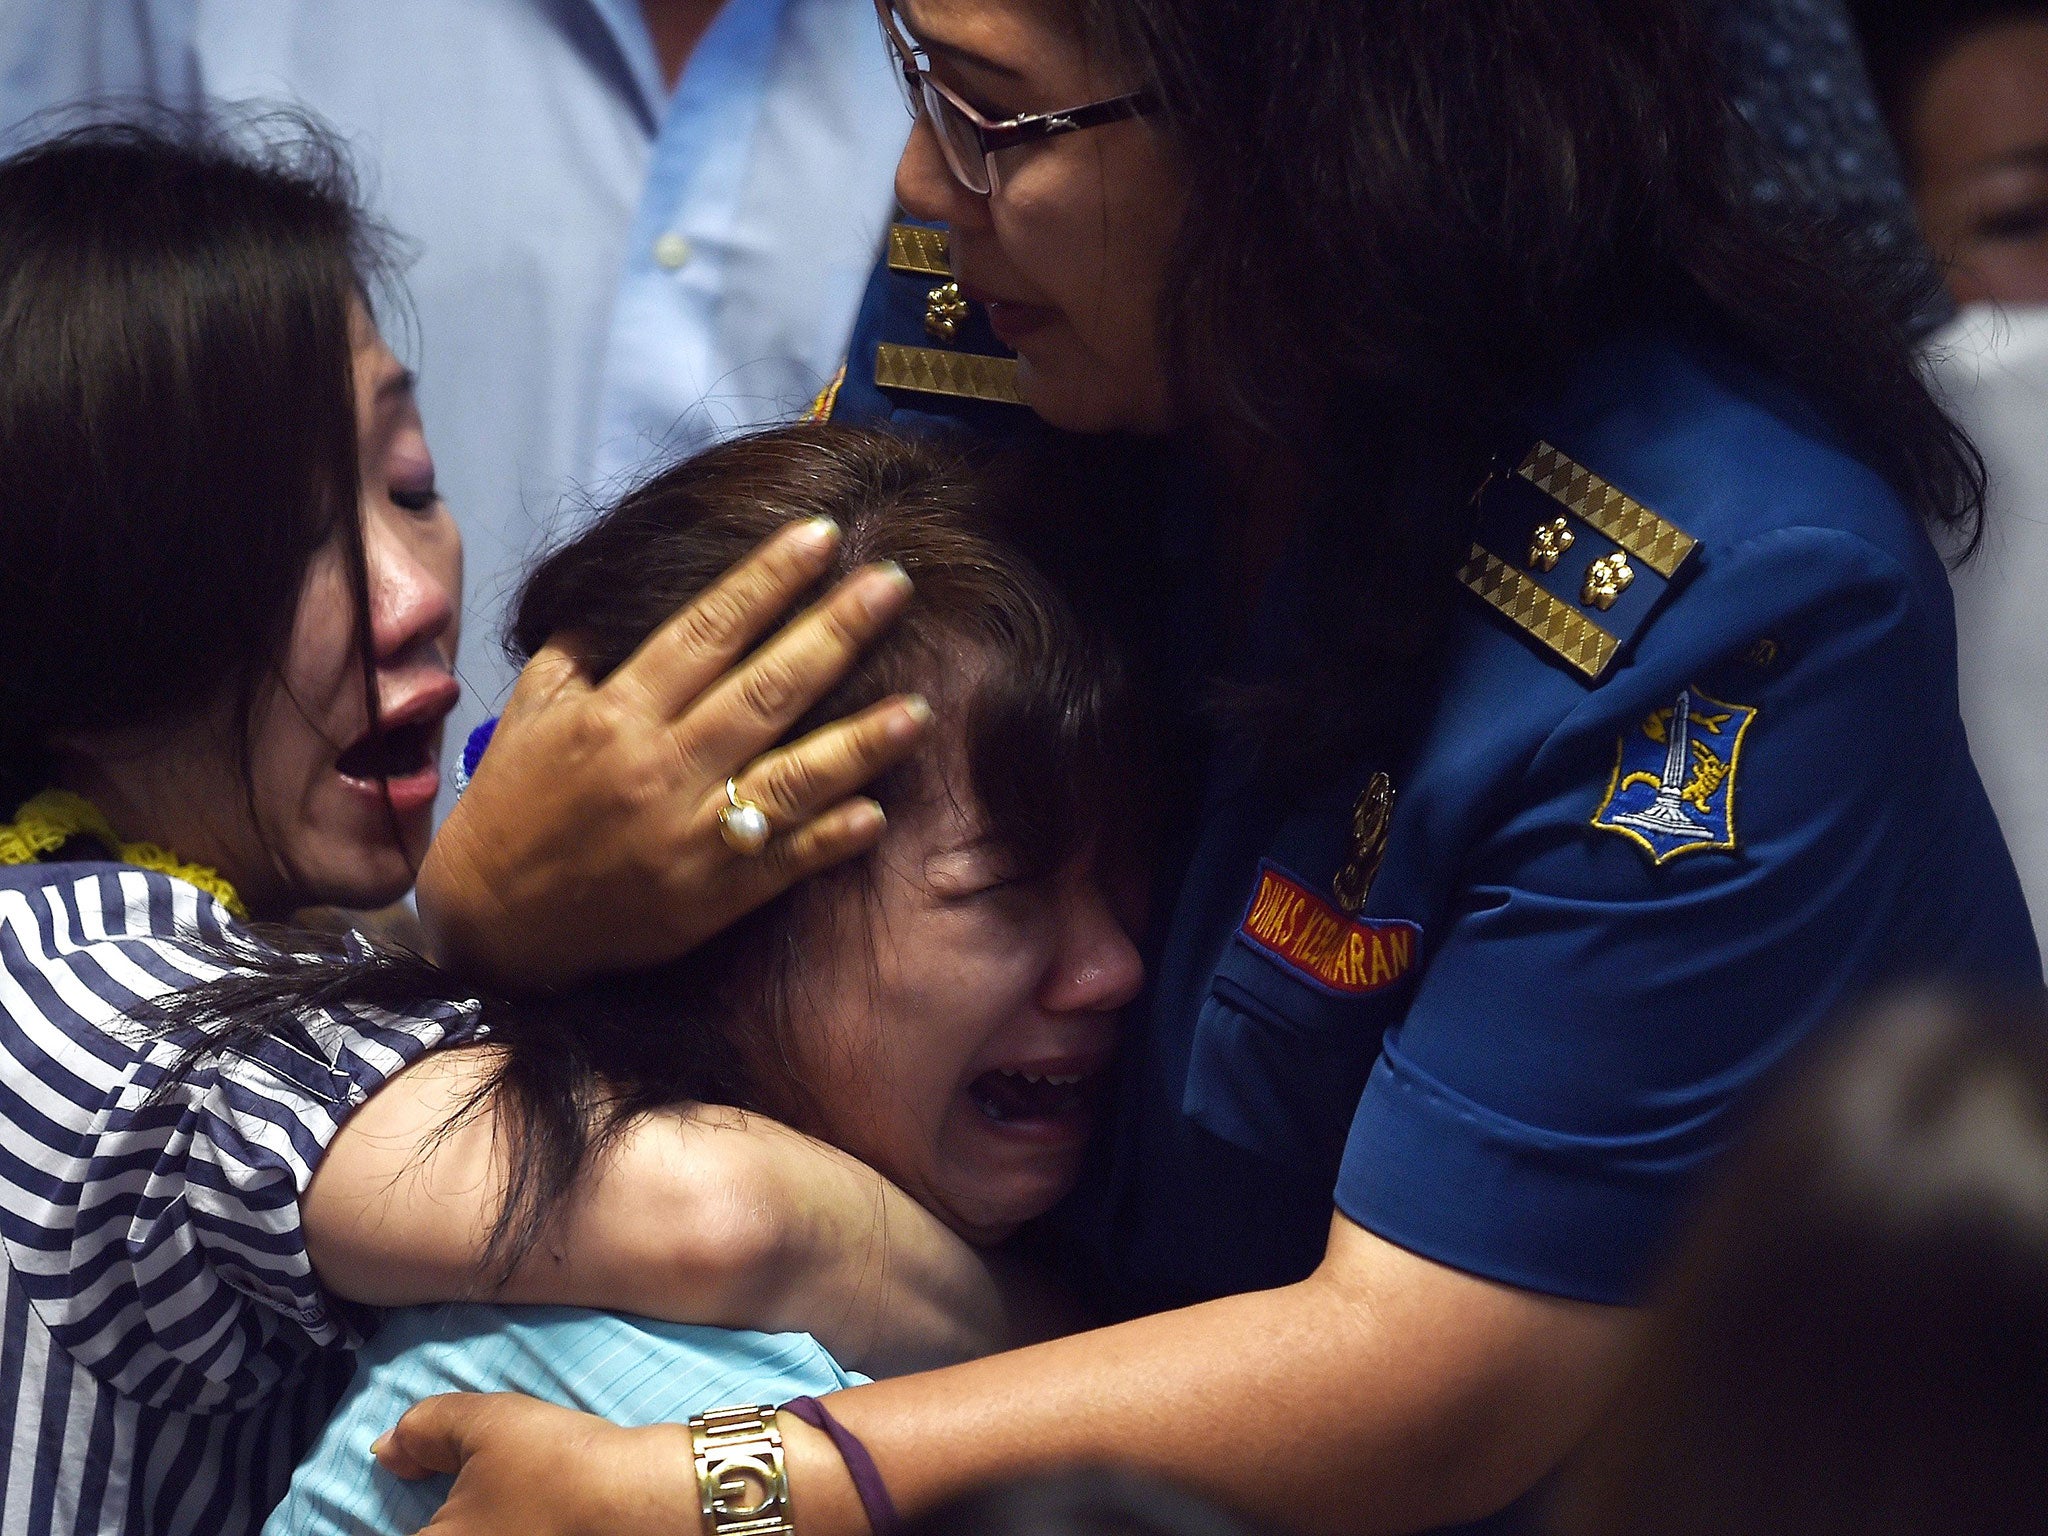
column 1351, row 956
column 1673, row 789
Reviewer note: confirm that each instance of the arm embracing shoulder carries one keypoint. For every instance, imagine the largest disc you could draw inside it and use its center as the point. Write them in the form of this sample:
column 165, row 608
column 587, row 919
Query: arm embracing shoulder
column 1578, row 1051
column 1385, row 1393
column 700, row 1215
column 1574, row 1056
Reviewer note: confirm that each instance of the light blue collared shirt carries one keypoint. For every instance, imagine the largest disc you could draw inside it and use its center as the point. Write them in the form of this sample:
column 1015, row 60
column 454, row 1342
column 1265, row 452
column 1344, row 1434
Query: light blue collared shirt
column 626, row 1369
column 606, row 273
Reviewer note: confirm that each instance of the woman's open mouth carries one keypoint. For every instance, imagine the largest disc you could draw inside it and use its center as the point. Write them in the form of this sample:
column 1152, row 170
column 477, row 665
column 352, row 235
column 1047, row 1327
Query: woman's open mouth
column 1037, row 1102
column 395, row 753
column 401, row 759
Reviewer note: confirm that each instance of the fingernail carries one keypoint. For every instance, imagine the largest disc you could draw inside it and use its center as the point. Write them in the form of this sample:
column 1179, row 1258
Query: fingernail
column 868, row 815
column 886, row 594
column 377, row 1445
column 816, row 532
column 908, row 723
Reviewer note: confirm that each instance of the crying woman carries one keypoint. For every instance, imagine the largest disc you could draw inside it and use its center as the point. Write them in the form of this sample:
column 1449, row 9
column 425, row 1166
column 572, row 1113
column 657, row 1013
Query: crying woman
column 944, row 1009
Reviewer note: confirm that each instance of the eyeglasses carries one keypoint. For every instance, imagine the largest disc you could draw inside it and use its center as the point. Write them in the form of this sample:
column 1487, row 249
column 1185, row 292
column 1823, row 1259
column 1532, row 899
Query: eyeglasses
column 969, row 141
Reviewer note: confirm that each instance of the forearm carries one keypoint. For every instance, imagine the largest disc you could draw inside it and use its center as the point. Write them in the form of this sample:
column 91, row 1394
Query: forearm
column 699, row 1215
column 733, row 1220
column 1354, row 1401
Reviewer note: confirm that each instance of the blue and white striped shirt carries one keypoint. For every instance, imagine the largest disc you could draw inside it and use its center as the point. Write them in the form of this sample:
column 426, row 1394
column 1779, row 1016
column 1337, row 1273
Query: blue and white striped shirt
column 166, row 1353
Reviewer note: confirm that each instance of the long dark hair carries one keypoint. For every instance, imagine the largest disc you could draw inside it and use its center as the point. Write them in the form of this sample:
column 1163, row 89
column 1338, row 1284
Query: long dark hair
column 1407, row 219
column 177, row 420
column 1854, row 1341
column 1051, row 758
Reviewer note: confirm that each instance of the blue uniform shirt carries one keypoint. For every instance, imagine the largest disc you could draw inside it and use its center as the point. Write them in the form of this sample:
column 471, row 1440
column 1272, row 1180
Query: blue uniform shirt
column 1592, row 933
column 1692, row 781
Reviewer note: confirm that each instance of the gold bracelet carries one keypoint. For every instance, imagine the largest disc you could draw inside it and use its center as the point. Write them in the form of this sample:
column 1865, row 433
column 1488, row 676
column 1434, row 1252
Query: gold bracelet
column 742, row 1484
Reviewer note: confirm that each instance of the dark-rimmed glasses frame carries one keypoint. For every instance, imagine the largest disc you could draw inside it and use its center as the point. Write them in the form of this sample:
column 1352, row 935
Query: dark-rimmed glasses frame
column 969, row 141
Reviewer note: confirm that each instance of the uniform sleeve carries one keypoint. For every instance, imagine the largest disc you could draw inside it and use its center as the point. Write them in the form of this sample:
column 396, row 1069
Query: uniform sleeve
column 1591, row 1018
column 161, row 1242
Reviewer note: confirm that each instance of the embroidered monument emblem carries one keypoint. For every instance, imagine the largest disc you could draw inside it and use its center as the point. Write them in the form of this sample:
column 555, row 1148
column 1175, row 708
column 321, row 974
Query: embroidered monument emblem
column 1673, row 789
column 1353, row 956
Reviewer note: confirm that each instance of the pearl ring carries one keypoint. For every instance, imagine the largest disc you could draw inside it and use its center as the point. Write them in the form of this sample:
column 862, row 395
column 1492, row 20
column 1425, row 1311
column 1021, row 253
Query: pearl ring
column 742, row 823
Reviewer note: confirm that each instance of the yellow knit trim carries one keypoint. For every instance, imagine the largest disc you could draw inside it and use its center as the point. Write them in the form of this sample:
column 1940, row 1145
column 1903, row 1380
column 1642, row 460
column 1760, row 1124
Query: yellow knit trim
column 55, row 816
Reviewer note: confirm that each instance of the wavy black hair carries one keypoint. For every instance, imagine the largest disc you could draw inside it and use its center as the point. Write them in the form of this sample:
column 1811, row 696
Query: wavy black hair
column 1052, row 757
column 1407, row 219
column 177, row 419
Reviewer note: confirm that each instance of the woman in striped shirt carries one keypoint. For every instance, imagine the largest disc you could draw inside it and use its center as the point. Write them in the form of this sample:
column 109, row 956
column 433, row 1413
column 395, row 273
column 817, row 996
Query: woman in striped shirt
column 228, row 600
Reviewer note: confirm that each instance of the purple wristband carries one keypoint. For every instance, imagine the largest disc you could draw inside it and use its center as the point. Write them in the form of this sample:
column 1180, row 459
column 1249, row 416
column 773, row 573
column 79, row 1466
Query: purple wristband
column 867, row 1477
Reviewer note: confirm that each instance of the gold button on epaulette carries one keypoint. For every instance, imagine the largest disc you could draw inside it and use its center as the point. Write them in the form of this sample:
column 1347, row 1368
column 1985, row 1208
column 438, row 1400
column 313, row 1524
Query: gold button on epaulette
column 1606, row 579
column 964, row 375
column 1623, row 519
column 913, row 248
column 944, row 313
column 1551, row 623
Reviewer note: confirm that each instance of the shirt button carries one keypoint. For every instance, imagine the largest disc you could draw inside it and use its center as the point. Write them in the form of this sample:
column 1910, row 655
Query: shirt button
column 671, row 251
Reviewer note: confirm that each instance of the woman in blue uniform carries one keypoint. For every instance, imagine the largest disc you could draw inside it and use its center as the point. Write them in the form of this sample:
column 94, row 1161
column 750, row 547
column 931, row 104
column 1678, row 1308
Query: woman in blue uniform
column 1590, row 736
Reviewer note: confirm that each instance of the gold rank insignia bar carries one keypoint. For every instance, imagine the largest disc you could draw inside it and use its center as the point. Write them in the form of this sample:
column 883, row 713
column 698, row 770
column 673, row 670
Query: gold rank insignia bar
column 1567, row 633
column 1621, row 517
column 964, row 375
column 913, row 248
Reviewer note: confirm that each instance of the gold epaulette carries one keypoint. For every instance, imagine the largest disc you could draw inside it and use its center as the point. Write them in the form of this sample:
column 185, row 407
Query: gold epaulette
column 964, row 375
column 921, row 252
column 1623, row 519
column 1582, row 644
column 1523, row 567
column 914, row 248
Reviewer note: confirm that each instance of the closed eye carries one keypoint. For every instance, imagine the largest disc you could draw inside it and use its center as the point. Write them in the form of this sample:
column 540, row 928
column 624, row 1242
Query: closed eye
column 2026, row 222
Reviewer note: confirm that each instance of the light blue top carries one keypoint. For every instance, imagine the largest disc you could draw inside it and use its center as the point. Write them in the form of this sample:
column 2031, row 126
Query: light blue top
column 628, row 1370
column 606, row 272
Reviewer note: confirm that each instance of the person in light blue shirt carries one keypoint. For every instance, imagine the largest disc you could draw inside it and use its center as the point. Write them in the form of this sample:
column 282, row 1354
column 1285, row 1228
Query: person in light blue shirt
column 944, row 1010
column 620, row 255
column 628, row 1370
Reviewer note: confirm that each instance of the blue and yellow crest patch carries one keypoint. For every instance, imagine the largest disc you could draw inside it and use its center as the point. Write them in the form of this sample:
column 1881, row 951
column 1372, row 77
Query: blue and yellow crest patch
column 1673, row 789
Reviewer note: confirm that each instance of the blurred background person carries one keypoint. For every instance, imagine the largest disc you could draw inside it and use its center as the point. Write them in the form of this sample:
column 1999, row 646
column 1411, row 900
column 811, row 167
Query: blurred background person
column 1855, row 1340
column 1820, row 149
column 1964, row 86
column 638, row 224
column 1990, row 369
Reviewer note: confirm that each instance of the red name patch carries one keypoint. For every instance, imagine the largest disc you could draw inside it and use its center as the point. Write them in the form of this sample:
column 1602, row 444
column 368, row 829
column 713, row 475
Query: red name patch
column 1304, row 932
